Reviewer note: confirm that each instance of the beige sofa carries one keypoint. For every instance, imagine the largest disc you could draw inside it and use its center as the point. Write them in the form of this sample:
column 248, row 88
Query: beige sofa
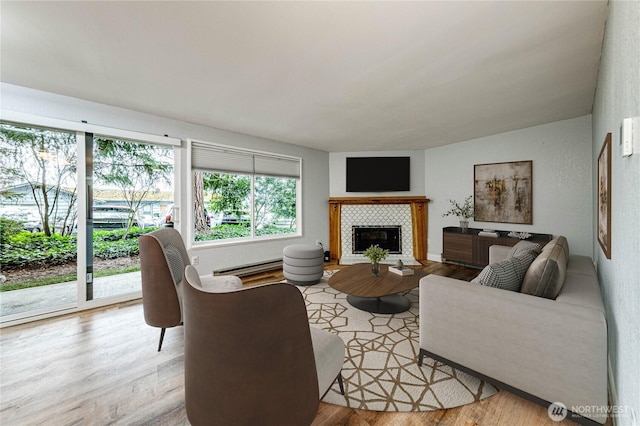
column 547, row 350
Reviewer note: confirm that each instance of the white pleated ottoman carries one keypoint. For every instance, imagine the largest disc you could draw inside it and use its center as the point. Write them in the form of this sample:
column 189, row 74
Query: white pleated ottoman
column 303, row 264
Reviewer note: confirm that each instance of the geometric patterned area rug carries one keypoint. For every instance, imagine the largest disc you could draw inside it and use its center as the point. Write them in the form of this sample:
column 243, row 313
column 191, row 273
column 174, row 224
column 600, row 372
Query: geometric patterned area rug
column 380, row 370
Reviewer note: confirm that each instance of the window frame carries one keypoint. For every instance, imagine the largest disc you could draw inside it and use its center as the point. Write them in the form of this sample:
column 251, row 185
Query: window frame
column 192, row 244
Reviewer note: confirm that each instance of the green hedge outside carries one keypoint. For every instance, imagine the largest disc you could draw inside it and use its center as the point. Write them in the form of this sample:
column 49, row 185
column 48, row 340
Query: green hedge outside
column 223, row 232
column 20, row 249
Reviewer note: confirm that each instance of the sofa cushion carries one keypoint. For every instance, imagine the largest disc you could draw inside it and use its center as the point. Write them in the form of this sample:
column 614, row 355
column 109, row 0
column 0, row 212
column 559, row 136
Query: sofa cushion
column 522, row 246
column 562, row 241
column 582, row 265
column 506, row 274
column 546, row 274
column 220, row 283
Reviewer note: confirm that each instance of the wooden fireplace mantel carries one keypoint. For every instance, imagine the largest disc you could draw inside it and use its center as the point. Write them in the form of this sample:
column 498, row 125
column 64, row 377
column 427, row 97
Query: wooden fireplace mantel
column 418, row 221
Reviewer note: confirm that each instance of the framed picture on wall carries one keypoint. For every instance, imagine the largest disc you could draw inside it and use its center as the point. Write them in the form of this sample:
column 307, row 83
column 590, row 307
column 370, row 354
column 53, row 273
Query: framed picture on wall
column 503, row 192
column 604, row 197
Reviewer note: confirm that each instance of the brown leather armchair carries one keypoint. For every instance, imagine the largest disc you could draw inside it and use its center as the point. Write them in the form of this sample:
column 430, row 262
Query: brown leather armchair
column 163, row 258
column 251, row 358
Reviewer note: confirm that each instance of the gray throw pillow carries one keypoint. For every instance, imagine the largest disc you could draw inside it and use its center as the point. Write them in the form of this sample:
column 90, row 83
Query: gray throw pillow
column 176, row 265
column 562, row 242
column 507, row 274
column 545, row 277
column 523, row 246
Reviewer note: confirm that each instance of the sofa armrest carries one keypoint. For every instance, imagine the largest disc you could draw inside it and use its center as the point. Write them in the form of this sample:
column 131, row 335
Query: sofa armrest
column 552, row 350
column 498, row 253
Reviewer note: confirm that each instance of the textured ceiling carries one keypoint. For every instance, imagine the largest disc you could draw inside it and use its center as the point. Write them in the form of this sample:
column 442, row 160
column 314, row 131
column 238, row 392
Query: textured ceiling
column 336, row 76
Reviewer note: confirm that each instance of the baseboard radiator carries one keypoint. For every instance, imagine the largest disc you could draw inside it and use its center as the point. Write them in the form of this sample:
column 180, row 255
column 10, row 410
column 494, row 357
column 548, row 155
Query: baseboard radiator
column 250, row 269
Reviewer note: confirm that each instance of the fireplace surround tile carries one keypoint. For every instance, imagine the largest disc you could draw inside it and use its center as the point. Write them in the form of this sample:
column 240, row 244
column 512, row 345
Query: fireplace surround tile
column 418, row 208
column 376, row 215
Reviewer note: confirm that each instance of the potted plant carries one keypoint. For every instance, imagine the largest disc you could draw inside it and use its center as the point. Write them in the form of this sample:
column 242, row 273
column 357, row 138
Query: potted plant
column 464, row 212
column 375, row 253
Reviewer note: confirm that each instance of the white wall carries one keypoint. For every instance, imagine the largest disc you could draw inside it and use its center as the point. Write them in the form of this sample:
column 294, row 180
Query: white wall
column 315, row 165
column 618, row 97
column 338, row 170
column 562, row 167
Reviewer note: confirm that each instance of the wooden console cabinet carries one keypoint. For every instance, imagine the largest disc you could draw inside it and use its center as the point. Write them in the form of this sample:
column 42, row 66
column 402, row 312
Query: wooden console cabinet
column 471, row 249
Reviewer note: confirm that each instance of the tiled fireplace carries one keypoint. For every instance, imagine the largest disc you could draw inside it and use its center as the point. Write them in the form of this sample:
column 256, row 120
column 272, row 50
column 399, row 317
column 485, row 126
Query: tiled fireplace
column 402, row 220
column 376, row 216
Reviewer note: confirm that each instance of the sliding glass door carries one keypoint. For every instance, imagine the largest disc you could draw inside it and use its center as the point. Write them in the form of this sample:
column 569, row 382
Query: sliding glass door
column 132, row 183
column 65, row 245
column 38, row 220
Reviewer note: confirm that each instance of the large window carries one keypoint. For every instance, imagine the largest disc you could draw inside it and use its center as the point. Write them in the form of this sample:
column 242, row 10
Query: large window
column 239, row 194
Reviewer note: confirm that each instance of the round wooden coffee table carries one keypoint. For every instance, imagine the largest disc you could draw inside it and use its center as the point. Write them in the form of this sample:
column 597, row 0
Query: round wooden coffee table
column 378, row 294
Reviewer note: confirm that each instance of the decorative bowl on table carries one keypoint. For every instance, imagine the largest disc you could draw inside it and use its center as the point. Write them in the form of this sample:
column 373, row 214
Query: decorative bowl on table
column 521, row 235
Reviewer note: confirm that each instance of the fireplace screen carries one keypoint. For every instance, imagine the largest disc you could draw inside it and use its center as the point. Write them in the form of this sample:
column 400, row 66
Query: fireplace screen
column 387, row 237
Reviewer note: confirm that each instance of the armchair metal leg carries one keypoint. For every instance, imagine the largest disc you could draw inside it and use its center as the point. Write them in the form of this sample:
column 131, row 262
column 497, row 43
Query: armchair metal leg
column 161, row 338
column 421, row 356
column 340, row 383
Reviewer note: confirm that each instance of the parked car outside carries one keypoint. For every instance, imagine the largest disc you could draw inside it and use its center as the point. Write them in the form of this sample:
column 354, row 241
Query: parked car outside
column 36, row 225
column 27, row 217
column 149, row 220
column 146, row 220
column 33, row 223
column 107, row 216
column 30, row 219
column 166, row 217
column 234, row 219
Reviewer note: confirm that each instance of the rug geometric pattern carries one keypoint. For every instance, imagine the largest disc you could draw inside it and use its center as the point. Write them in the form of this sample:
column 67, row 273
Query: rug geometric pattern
column 380, row 370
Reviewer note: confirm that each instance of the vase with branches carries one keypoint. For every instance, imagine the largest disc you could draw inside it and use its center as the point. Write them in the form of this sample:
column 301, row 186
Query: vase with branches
column 463, row 211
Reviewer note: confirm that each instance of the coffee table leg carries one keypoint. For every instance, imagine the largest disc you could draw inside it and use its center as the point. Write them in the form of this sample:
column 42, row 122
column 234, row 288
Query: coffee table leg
column 392, row 304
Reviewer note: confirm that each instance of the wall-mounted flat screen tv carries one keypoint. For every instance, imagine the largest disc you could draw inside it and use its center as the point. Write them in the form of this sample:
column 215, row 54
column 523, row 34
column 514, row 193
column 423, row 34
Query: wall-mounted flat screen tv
column 378, row 174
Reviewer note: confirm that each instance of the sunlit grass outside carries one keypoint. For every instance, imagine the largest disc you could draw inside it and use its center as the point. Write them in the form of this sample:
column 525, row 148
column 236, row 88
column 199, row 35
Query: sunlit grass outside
column 38, row 282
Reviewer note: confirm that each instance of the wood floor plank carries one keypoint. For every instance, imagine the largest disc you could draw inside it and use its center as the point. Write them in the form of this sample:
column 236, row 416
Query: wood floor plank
column 102, row 367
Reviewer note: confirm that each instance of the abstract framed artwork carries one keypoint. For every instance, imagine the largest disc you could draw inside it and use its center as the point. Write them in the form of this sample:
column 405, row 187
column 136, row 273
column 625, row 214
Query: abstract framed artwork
column 503, row 192
column 604, row 197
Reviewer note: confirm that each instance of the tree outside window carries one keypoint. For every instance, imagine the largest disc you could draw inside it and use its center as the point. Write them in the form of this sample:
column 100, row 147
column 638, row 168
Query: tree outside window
column 45, row 163
column 228, row 200
column 275, row 205
column 134, row 170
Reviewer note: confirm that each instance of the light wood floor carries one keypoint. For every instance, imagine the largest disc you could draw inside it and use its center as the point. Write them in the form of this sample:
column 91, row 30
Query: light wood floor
column 101, row 367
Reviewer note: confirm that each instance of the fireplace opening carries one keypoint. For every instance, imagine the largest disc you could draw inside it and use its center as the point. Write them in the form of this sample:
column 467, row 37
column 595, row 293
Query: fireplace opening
column 387, row 237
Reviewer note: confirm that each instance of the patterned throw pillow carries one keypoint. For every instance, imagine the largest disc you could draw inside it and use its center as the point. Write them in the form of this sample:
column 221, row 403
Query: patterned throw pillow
column 507, row 274
column 523, row 246
column 176, row 265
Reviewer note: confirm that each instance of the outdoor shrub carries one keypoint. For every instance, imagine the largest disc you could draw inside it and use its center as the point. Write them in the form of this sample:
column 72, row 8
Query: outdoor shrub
column 19, row 257
column 118, row 234
column 114, row 249
column 9, row 227
column 26, row 240
column 25, row 249
column 223, row 232
column 35, row 249
column 274, row 230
